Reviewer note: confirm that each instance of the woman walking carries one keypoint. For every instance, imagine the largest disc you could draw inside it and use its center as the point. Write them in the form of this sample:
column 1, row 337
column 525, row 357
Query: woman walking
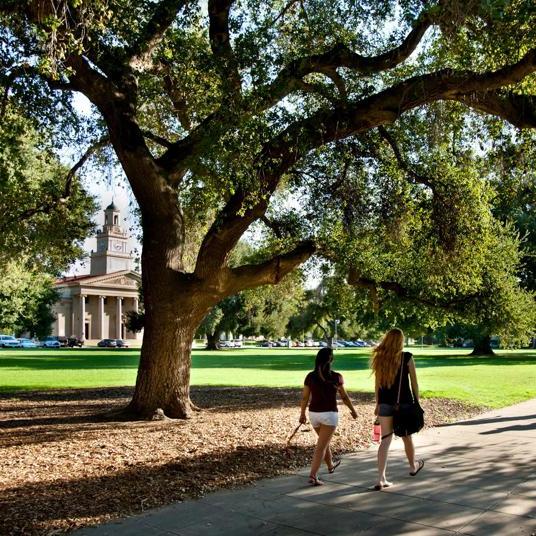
column 391, row 366
column 320, row 388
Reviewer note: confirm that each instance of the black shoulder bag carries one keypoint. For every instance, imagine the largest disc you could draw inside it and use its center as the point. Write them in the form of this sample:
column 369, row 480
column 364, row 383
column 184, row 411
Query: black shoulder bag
column 408, row 419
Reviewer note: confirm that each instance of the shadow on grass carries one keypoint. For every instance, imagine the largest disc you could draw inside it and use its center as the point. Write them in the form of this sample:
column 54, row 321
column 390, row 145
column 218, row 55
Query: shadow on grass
column 281, row 361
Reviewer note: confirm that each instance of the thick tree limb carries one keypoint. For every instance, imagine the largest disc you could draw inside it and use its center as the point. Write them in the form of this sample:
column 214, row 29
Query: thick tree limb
column 519, row 110
column 385, row 107
column 163, row 16
column 341, row 122
column 269, row 272
column 225, row 232
column 220, row 43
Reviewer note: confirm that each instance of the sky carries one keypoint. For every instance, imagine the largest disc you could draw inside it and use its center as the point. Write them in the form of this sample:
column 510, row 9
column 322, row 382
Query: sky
column 104, row 187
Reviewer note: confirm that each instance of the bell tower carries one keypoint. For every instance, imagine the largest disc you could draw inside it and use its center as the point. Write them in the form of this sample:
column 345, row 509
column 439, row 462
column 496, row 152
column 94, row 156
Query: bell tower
column 112, row 254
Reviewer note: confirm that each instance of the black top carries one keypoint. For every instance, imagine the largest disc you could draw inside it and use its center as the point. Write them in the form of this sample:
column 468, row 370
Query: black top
column 323, row 393
column 389, row 395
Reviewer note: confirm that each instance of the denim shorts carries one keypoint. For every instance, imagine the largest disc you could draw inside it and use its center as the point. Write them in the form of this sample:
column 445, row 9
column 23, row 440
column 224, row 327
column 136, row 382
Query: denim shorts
column 329, row 418
column 388, row 410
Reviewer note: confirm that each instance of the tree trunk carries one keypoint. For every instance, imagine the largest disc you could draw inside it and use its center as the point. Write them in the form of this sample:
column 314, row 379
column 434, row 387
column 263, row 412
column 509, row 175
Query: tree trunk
column 174, row 308
column 212, row 341
column 483, row 346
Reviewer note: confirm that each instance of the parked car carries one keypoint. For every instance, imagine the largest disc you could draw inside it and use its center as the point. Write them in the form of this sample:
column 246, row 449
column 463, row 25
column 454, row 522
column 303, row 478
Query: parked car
column 26, row 343
column 107, row 343
column 50, row 342
column 74, row 341
column 7, row 341
column 121, row 343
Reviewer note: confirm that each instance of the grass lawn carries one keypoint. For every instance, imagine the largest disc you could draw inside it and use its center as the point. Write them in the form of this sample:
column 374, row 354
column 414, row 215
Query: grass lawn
column 508, row 378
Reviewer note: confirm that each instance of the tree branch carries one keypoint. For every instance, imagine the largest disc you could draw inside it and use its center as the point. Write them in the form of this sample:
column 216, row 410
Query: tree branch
column 355, row 280
column 403, row 164
column 269, row 272
column 164, row 14
column 220, row 43
column 177, row 97
column 55, row 200
column 341, row 56
column 519, row 110
column 386, row 106
column 91, row 150
column 156, row 138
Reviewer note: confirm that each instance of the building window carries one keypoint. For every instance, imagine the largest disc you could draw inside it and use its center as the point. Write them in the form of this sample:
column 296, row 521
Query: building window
column 86, row 299
column 116, row 220
column 105, row 301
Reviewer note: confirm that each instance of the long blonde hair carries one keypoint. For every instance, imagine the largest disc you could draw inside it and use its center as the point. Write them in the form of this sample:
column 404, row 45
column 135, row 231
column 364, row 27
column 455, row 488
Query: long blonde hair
column 387, row 357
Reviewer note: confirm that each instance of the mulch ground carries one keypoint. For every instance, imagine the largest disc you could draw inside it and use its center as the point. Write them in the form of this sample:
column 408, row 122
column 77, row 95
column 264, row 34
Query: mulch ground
column 65, row 465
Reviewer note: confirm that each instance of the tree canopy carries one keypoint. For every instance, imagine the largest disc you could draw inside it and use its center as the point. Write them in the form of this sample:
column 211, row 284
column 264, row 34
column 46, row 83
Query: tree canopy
column 214, row 109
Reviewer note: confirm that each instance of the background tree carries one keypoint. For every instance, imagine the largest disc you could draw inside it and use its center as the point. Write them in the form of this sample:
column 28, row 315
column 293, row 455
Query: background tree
column 218, row 108
column 45, row 216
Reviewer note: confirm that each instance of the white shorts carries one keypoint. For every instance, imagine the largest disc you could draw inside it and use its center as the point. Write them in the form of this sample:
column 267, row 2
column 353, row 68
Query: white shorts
column 329, row 418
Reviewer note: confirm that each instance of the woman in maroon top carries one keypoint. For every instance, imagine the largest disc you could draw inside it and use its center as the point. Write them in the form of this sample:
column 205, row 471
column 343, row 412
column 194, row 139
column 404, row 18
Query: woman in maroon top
column 321, row 387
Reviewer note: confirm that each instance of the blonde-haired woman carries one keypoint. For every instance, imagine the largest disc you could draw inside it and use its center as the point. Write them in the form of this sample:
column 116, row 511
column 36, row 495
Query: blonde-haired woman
column 389, row 362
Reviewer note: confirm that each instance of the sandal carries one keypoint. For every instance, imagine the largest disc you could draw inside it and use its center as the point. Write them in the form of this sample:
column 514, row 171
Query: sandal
column 421, row 465
column 331, row 470
column 314, row 481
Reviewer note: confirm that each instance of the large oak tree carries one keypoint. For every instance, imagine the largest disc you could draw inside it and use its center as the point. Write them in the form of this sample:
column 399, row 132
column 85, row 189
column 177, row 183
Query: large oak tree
column 216, row 107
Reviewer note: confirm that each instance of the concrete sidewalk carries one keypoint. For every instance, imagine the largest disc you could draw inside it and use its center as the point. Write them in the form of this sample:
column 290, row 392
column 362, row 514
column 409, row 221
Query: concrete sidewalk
column 479, row 478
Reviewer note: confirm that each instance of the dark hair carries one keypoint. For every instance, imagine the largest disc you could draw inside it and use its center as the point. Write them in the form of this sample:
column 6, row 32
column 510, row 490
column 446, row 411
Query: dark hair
column 323, row 360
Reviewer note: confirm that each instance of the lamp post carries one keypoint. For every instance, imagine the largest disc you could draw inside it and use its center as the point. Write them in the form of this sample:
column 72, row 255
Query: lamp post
column 335, row 322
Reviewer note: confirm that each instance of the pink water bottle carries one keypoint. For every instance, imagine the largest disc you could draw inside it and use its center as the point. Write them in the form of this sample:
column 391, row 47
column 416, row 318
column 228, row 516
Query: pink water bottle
column 376, row 431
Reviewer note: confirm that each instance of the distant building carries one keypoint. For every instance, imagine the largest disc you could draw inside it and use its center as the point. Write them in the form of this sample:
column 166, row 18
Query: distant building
column 93, row 306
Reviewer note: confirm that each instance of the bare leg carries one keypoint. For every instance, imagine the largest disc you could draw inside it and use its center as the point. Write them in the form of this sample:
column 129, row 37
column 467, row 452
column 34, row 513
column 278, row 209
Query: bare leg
column 325, row 434
column 410, row 453
column 386, row 424
column 328, row 458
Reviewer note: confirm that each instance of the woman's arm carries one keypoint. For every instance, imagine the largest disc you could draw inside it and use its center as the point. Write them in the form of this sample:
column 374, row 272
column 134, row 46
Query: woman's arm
column 413, row 379
column 346, row 399
column 304, row 401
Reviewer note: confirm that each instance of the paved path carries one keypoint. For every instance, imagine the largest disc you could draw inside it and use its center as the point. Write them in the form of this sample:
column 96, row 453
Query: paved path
column 479, row 478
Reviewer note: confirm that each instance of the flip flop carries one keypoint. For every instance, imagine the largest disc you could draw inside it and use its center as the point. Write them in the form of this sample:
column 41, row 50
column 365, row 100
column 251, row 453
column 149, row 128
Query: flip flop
column 335, row 465
column 314, row 481
column 421, row 465
column 379, row 487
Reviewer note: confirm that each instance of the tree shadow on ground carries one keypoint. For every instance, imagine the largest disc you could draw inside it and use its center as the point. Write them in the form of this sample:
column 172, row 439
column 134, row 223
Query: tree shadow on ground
column 473, row 422
column 36, row 508
column 44, row 416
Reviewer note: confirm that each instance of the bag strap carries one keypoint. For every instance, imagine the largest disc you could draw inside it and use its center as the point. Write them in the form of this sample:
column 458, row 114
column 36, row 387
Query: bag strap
column 400, row 382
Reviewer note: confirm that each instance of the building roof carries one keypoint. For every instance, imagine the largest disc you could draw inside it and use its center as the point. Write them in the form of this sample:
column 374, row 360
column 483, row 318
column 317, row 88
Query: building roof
column 98, row 279
column 111, row 206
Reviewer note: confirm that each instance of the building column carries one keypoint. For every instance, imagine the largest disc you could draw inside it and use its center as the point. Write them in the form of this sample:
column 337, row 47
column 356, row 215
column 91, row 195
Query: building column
column 72, row 332
column 136, row 305
column 82, row 322
column 100, row 317
column 118, row 317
